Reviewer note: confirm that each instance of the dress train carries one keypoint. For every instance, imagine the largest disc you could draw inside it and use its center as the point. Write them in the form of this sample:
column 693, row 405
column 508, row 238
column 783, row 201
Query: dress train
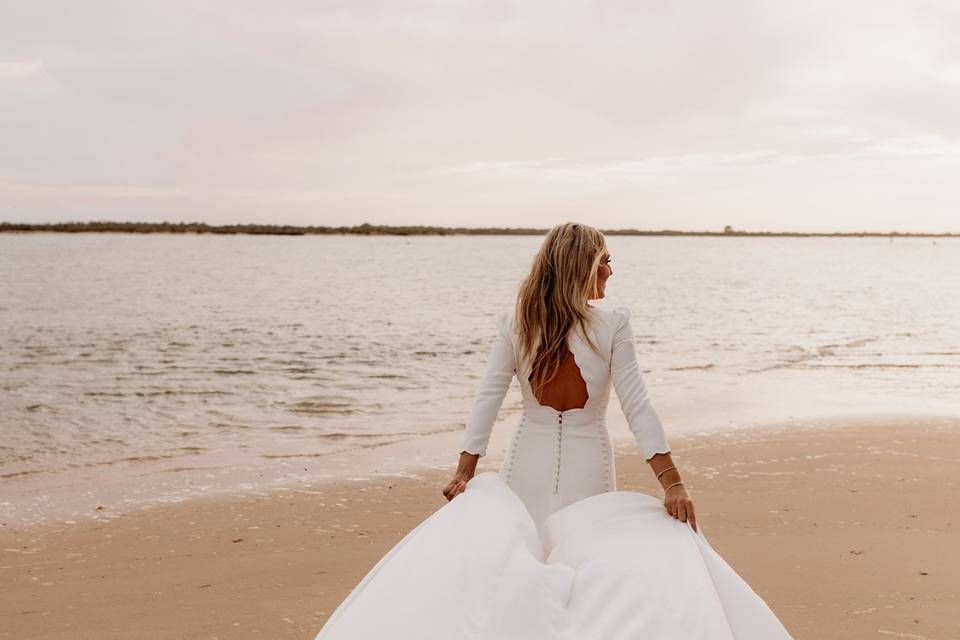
column 611, row 566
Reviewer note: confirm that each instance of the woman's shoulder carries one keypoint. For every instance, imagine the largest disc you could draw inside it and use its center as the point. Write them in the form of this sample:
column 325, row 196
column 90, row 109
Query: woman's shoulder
column 621, row 313
column 605, row 321
column 614, row 314
column 613, row 321
column 505, row 323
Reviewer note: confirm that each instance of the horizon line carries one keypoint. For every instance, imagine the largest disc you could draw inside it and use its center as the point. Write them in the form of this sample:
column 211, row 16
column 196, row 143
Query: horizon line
column 107, row 226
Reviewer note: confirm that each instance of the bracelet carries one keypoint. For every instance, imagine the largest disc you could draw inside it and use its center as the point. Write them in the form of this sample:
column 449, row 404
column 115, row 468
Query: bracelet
column 665, row 470
column 673, row 485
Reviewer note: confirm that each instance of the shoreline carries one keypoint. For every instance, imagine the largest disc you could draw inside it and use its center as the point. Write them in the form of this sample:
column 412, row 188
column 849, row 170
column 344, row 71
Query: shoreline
column 845, row 526
column 104, row 493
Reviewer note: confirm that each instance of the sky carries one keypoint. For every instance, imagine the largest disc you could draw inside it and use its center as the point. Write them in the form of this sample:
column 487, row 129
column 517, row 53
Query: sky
column 692, row 115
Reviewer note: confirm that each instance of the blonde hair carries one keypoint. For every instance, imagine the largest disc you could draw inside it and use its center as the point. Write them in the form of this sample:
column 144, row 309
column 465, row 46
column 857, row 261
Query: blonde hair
column 552, row 299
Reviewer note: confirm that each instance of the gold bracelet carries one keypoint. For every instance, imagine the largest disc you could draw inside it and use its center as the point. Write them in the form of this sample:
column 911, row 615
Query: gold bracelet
column 665, row 470
column 674, row 484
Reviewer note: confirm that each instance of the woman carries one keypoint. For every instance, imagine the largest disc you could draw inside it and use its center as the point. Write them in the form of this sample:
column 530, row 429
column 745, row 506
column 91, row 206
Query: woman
column 547, row 547
column 571, row 267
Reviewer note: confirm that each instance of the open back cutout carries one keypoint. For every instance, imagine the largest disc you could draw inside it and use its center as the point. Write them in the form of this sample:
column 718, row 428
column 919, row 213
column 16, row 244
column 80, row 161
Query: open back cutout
column 567, row 390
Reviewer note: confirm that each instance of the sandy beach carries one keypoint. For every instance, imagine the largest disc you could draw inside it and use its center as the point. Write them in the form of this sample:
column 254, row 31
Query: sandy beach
column 846, row 527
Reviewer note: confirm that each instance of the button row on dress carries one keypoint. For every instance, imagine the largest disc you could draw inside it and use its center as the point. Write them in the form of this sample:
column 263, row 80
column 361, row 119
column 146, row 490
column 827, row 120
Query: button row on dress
column 514, row 445
column 607, row 456
column 556, row 484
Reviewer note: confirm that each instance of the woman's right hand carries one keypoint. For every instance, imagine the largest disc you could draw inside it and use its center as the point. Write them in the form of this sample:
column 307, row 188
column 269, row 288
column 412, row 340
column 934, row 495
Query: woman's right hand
column 457, row 485
column 678, row 504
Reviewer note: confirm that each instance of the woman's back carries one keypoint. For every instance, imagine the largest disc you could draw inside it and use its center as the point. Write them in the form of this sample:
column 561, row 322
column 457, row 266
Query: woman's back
column 560, row 451
column 567, row 390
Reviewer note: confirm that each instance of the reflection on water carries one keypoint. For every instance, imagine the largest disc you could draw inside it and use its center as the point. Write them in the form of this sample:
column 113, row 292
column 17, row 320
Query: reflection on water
column 124, row 348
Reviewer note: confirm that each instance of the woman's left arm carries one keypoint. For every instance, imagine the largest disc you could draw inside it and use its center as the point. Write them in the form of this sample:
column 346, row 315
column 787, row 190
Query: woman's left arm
column 493, row 388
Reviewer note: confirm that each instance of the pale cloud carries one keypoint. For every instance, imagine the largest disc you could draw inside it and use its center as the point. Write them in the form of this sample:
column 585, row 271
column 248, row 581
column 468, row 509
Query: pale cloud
column 929, row 146
column 20, row 69
column 947, row 74
column 83, row 191
column 673, row 167
column 644, row 169
column 417, row 112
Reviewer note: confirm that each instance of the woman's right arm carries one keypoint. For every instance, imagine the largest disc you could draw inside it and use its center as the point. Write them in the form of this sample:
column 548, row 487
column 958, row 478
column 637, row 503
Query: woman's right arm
column 645, row 424
column 631, row 389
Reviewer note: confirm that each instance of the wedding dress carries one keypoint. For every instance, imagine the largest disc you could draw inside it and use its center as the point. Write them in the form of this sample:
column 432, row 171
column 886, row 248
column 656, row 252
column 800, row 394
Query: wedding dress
column 547, row 548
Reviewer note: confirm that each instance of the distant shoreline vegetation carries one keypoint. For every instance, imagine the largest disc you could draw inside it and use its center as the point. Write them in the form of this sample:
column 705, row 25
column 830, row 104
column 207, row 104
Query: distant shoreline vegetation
column 388, row 230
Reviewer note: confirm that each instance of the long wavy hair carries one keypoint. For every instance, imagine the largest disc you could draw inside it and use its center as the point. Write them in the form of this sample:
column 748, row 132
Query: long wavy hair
column 552, row 299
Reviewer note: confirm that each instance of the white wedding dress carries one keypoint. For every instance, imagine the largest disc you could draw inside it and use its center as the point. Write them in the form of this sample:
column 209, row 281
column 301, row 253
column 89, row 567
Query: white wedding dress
column 547, row 548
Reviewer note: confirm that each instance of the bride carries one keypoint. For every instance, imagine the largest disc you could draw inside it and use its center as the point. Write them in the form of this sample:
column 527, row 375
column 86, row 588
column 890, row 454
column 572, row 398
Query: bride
column 547, row 547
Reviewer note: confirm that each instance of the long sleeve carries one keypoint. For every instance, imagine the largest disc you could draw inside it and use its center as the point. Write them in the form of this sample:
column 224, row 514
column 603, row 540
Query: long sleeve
column 494, row 384
column 628, row 381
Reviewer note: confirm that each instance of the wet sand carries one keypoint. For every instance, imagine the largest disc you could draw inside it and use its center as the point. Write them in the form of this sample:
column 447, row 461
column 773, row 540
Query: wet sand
column 848, row 528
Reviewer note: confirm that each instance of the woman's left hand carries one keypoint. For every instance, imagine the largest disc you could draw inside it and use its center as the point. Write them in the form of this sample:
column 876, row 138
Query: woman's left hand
column 679, row 505
column 458, row 485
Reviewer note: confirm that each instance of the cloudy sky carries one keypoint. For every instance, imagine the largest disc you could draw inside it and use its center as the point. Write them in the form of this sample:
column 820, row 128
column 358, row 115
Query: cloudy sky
column 840, row 115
